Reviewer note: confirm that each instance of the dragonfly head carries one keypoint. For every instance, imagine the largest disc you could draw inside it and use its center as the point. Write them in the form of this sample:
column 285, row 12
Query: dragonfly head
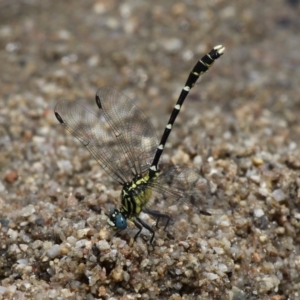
column 117, row 220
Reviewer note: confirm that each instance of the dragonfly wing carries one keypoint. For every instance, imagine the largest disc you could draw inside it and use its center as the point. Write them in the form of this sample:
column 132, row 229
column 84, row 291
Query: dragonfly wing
column 114, row 130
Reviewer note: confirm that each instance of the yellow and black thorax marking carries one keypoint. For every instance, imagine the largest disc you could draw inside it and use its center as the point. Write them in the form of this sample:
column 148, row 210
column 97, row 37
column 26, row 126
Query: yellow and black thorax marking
column 136, row 194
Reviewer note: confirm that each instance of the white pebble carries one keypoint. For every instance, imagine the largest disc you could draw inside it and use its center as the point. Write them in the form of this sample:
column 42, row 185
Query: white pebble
column 12, row 234
column 2, row 187
column 263, row 191
column 84, row 243
column 144, row 263
column 27, row 211
column 258, row 212
column 278, row 195
column 222, row 268
column 211, row 276
column 2, row 289
column 53, row 251
column 23, row 247
column 22, row 261
column 103, row 245
column 172, row 44
column 65, row 165
column 82, row 232
column 218, row 250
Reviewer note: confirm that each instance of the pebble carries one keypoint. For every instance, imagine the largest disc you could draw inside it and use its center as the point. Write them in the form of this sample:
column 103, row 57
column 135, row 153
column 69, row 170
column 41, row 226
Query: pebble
column 53, row 251
column 23, row 247
column 12, row 234
column 278, row 195
column 103, row 245
column 28, row 211
column 82, row 232
column 258, row 212
column 11, row 176
column 211, row 276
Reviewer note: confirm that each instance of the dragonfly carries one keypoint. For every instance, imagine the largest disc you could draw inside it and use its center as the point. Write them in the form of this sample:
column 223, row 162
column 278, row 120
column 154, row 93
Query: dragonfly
column 123, row 141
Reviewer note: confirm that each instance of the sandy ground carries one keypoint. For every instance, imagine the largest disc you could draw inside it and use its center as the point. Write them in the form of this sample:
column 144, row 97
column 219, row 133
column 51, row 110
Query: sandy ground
column 240, row 126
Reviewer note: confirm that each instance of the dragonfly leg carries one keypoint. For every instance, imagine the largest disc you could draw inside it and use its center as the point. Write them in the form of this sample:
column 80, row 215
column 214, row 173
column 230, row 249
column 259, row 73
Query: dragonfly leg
column 158, row 215
column 139, row 223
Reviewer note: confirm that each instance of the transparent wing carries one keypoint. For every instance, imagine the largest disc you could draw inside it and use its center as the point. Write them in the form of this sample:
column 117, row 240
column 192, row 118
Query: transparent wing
column 178, row 186
column 114, row 130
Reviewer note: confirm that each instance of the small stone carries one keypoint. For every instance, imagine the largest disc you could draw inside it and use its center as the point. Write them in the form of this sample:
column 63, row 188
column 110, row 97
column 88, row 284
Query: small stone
column 263, row 238
column 28, row 211
column 196, row 219
column 256, row 257
column 26, row 285
column 12, row 234
column 23, row 247
column 2, row 187
column 211, row 276
column 263, row 191
column 65, row 166
column 4, row 222
column 144, row 263
column 280, row 230
column 175, row 297
column 219, row 250
column 64, row 250
column 269, row 283
column 258, row 212
column 172, row 44
column 117, row 274
column 22, row 261
column 82, row 232
column 11, row 176
column 223, row 268
column 103, row 245
column 102, row 291
column 257, row 161
column 83, row 243
column 278, row 195
column 54, row 251
column 255, row 178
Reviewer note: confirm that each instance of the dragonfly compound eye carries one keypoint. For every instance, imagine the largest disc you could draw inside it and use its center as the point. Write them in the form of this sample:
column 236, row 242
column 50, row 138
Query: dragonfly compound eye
column 116, row 219
column 121, row 222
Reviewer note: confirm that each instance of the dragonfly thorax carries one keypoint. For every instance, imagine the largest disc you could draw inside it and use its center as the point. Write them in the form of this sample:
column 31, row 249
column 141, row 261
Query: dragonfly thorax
column 135, row 195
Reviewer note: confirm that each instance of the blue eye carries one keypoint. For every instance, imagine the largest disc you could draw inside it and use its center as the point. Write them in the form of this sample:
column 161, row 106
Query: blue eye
column 120, row 222
column 116, row 219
